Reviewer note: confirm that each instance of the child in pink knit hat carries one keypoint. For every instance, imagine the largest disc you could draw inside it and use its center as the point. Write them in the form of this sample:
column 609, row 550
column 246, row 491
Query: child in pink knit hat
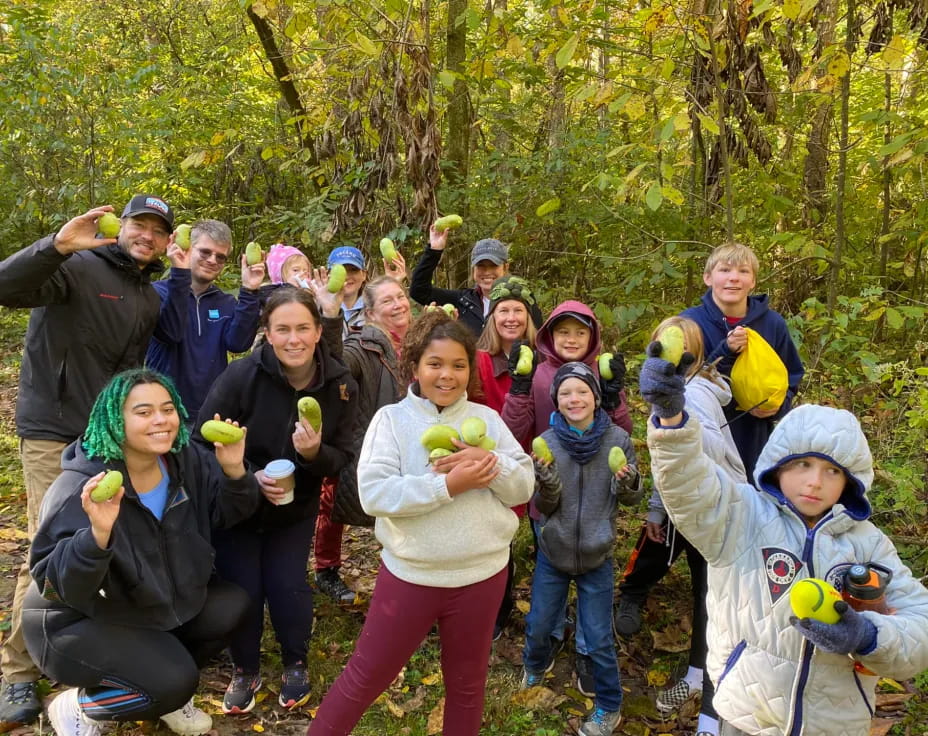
column 287, row 265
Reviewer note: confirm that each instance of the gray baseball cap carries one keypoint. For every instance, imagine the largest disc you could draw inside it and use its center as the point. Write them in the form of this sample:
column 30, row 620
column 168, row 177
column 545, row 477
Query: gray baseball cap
column 489, row 249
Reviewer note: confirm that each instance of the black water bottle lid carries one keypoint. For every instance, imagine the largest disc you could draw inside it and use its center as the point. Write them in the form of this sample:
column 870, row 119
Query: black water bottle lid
column 858, row 579
column 858, row 574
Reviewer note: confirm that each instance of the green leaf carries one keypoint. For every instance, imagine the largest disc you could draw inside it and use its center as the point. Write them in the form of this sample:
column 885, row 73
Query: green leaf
column 709, row 124
column 894, row 145
column 546, row 208
column 365, row 44
column 654, row 197
column 894, row 319
column 667, row 131
column 567, row 51
column 446, row 78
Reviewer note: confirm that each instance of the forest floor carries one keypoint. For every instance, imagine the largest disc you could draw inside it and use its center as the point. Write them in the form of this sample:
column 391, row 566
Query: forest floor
column 413, row 704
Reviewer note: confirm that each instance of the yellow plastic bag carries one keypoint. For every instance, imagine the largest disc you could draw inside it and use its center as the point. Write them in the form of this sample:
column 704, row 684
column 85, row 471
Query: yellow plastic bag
column 758, row 378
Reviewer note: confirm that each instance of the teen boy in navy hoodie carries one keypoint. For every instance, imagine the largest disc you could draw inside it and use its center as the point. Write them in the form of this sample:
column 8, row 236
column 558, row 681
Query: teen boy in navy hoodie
column 727, row 308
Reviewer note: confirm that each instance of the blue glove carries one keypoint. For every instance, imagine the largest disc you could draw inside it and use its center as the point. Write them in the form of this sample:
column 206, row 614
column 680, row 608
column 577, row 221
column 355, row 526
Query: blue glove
column 662, row 383
column 853, row 634
column 614, row 385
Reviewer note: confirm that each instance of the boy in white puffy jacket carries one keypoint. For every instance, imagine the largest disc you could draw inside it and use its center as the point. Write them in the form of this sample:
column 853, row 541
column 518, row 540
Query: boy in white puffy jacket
column 775, row 674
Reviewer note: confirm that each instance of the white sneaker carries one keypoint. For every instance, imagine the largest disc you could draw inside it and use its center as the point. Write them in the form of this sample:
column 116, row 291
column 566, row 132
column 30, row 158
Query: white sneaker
column 188, row 721
column 67, row 717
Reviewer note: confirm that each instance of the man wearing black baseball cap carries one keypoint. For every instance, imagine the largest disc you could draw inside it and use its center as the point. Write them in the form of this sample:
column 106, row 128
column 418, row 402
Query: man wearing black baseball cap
column 489, row 260
column 93, row 313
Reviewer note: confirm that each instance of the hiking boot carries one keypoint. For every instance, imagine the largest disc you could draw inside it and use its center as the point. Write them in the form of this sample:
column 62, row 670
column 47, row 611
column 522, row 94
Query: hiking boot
column 68, row 717
column 672, row 698
column 627, row 617
column 601, row 723
column 585, row 682
column 294, row 686
column 188, row 721
column 240, row 695
column 329, row 582
column 19, row 704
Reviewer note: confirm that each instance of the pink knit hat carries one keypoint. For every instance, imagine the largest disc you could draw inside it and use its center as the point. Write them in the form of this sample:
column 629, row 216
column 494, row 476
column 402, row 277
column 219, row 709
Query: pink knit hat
column 276, row 257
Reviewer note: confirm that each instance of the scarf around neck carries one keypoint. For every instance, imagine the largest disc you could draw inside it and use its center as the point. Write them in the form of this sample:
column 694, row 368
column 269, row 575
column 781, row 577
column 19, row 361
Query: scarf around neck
column 581, row 447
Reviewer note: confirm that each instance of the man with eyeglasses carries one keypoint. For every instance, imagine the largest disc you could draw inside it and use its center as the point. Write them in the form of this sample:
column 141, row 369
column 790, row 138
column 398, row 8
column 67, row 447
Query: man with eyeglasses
column 93, row 313
column 195, row 334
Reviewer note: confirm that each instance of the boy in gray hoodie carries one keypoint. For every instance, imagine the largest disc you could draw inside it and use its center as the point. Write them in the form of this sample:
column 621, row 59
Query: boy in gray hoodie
column 576, row 497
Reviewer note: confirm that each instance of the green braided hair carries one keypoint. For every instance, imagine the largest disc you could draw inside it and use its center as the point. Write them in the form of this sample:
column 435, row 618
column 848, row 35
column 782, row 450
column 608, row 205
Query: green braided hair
column 106, row 429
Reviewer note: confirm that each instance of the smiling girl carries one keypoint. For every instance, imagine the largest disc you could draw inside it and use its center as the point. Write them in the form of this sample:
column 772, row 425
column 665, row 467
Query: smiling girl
column 445, row 528
column 267, row 554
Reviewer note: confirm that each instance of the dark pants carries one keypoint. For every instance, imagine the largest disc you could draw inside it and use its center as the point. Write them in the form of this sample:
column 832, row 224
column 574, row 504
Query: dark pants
column 399, row 618
column 649, row 562
column 271, row 566
column 508, row 602
column 127, row 672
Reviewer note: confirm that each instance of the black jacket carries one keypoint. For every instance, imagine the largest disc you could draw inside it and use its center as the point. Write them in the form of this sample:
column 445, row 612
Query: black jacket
column 94, row 314
column 469, row 302
column 254, row 392
column 154, row 573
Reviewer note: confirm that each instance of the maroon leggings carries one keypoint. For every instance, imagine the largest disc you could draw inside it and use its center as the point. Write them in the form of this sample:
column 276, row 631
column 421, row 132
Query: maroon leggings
column 400, row 617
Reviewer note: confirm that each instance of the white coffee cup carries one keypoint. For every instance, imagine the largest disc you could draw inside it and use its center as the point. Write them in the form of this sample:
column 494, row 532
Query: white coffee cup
column 282, row 471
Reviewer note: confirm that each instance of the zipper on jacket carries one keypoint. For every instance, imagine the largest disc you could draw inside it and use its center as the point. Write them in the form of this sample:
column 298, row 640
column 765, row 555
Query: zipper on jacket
column 863, row 694
column 733, row 659
column 579, row 517
column 199, row 326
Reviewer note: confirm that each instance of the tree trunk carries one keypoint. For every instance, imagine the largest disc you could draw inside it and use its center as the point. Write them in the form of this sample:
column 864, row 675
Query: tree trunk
column 458, row 148
column 815, row 167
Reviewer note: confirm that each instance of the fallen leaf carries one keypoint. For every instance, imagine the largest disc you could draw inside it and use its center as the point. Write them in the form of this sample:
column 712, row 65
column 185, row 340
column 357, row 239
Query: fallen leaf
column 523, row 606
column 432, row 679
column 258, row 727
column 436, row 719
column 672, row 640
column 885, row 700
column 891, row 684
column 657, row 679
column 538, row 698
column 881, row 726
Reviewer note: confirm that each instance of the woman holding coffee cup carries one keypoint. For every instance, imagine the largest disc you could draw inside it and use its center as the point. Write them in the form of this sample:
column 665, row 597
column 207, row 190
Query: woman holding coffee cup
column 267, row 554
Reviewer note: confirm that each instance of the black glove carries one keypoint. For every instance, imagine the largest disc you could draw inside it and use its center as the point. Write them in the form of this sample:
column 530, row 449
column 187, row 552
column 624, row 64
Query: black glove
column 521, row 384
column 614, row 385
column 852, row 633
column 662, row 383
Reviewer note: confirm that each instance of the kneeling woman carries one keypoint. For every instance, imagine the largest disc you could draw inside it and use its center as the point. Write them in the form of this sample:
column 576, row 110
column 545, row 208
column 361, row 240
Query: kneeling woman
column 124, row 607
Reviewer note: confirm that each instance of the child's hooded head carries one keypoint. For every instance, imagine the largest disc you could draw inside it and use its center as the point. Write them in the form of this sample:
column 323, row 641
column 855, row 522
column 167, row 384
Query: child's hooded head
column 816, row 457
column 570, row 333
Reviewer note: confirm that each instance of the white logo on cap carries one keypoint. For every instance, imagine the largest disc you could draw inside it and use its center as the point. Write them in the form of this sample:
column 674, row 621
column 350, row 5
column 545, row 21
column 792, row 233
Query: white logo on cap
column 156, row 204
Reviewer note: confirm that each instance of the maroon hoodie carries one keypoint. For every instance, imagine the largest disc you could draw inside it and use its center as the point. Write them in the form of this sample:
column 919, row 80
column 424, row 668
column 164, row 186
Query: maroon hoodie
column 528, row 415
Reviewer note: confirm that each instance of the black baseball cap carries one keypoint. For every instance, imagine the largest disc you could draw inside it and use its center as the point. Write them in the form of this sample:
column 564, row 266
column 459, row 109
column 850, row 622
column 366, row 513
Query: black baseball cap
column 147, row 204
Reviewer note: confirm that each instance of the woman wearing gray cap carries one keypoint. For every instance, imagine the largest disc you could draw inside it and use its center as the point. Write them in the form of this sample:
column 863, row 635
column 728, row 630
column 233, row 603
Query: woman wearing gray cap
column 489, row 260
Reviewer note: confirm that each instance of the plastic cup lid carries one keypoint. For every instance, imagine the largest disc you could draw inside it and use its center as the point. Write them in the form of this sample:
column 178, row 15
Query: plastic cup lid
column 279, row 468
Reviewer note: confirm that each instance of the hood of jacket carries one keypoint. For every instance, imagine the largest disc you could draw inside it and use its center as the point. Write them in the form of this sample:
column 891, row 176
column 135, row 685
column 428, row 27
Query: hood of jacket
column 820, row 431
column 757, row 305
column 119, row 258
column 545, row 339
column 327, row 367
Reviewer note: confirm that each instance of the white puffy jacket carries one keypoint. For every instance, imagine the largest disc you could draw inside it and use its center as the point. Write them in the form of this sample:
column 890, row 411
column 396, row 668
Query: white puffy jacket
column 770, row 680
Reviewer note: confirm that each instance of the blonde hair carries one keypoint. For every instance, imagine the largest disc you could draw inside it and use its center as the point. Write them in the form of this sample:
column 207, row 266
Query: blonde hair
column 692, row 340
column 492, row 343
column 734, row 253
column 289, row 263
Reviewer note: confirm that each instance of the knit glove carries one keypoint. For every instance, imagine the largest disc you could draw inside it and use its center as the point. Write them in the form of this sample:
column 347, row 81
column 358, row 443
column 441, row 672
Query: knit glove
column 547, row 487
column 614, row 385
column 521, row 384
column 853, row 634
column 661, row 383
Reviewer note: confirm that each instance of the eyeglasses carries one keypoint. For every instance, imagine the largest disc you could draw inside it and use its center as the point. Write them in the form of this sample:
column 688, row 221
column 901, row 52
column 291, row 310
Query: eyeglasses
column 205, row 254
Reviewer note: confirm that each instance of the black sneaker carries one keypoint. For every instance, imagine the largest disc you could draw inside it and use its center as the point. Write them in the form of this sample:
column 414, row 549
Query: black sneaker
column 294, row 686
column 627, row 617
column 329, row 582
column 19, row 704
column 240, row 695
column 585, row 682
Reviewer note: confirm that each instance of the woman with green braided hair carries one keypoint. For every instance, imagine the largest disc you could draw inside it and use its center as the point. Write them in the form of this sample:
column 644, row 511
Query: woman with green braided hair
column 124, row 607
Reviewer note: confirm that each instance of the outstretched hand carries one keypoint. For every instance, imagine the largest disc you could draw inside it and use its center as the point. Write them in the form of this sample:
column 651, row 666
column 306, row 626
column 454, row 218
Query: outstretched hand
column 662, row 383
column 81, row 232
column 852, row 634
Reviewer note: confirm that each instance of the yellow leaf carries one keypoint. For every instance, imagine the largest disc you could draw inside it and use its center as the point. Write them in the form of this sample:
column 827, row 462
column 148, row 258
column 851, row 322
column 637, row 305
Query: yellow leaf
column 634, row 108
column 514, row 46
column 681, row 121
column 657, row 679
column 436, row 719
column 825, row 84
column 260, row 696
column 365, row 44
column 892, row 684
column 791, row 9
column 839, row 64
column 258, row 727
column 523, row 606
column 538, row 698
column 655, row 21
column 432, row 679
column 894, row 52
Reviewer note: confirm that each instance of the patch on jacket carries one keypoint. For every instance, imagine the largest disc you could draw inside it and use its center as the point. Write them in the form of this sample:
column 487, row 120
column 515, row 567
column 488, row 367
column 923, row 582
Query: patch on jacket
column 343, row 391
column 181, row 497
column 781, row 567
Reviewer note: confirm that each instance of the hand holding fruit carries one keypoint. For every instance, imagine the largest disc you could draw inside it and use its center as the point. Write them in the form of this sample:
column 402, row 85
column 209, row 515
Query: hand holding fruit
column 662, row 384
column 229, row 440
column 102, row 514
column 470, row 475
column 438, row 239
column 81, row 232
column 612, row 380
column 177, row 255
column 252, row 274
column 463, row 454
column 522, row 364
column 330, row 303
column 395, row 268
column 306, row 439
column 852, row 634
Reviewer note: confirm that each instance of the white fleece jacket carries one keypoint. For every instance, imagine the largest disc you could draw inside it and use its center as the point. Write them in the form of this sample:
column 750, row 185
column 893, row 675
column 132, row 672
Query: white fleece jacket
column 428, row 537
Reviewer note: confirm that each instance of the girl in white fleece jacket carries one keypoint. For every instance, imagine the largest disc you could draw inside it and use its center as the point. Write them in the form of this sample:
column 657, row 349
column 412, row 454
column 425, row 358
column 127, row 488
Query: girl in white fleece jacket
column 445, row 528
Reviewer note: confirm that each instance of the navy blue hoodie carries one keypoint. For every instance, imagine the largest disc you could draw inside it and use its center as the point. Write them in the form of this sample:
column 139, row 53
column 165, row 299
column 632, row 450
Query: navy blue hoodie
column 749, row 432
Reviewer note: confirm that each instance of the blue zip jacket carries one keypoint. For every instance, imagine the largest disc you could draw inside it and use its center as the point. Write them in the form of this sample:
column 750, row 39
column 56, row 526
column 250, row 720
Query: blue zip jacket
column 195, row 335
column 749, row 432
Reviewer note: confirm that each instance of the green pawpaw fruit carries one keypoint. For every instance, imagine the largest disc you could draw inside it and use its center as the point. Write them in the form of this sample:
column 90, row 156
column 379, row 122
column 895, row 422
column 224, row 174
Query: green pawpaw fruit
column 310, row 410
column 440, row 435
column 253, row 254
column 605, row 370
column 526, row 358
column 671, row 340
column 107, row 487
column 182, row 236
column 617, row 459
column 448, row 222
column 542, row 451
column 108, row 225
column 473, row 431
column 221, row 432
column 488, row 444
column 337, row 276
column 387, row 249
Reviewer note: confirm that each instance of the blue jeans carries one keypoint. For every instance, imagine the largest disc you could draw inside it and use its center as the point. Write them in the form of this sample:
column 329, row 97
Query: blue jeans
column 594, row 614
